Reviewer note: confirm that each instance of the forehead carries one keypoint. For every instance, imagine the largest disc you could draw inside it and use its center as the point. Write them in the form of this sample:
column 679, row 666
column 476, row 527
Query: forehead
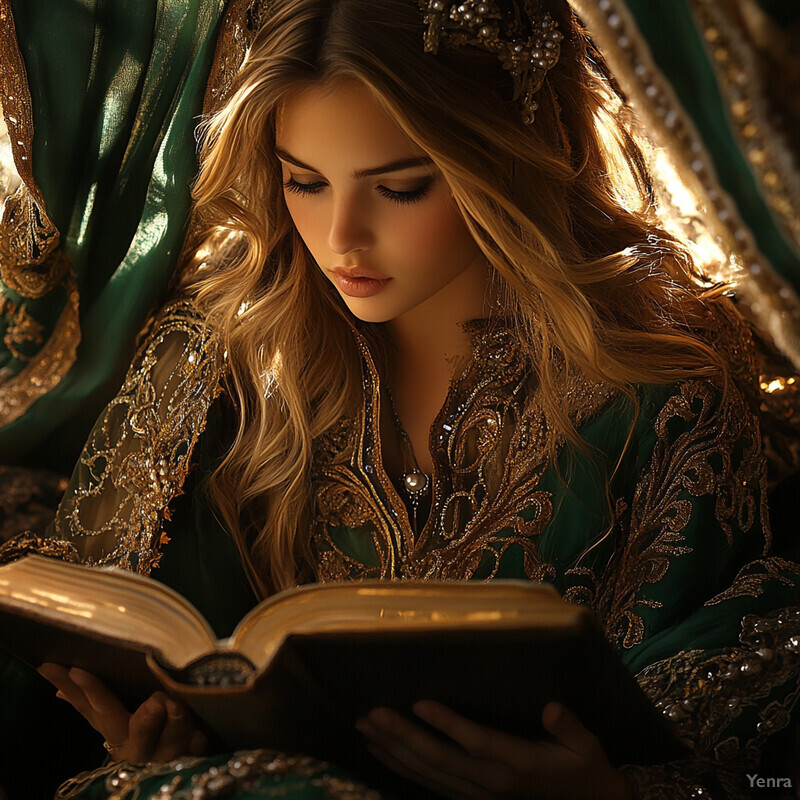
column 340, row 121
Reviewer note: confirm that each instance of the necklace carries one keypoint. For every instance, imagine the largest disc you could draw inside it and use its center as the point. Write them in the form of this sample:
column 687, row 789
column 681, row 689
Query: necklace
column 415, row 482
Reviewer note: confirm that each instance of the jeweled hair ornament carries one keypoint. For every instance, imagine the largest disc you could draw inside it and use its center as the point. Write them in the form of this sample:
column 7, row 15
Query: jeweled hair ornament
column 527, row 42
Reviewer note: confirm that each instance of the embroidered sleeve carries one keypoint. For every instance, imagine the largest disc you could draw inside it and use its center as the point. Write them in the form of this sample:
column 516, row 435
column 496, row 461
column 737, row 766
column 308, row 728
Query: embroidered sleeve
column 706, row 616
column 137, row 455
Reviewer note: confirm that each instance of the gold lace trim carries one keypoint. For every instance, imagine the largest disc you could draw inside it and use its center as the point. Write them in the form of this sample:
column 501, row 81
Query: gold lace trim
column 241, row 23
column 489, row 446
column 769, row 158
column 28, row 543
column 767, row 298
column 22, row 329
column 30, row 263
column 138, row 454
column 15, row 98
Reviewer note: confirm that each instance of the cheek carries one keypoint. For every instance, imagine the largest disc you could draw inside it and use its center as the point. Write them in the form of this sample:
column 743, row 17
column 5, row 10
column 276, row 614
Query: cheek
column 438, row 232
column 304, row 220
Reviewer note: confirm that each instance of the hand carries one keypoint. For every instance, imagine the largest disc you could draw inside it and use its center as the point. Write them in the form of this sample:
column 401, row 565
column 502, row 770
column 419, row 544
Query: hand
column 159, row 730
column 490, row 764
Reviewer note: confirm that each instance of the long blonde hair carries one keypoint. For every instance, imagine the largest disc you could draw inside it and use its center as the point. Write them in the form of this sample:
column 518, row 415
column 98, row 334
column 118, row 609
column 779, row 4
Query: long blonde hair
column 591, row 284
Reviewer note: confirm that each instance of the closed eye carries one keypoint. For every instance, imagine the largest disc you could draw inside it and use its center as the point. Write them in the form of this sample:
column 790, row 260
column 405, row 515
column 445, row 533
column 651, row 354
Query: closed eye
column 398, row 197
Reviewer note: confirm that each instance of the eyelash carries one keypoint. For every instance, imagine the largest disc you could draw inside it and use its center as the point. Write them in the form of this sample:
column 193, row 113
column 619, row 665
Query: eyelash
column 398, row 197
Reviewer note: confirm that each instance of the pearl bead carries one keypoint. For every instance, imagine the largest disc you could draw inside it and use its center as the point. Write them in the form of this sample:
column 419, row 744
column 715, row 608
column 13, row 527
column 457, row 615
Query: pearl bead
column 415, row 481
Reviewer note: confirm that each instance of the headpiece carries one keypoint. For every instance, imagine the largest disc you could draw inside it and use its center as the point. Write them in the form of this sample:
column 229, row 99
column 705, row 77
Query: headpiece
column 526, row 42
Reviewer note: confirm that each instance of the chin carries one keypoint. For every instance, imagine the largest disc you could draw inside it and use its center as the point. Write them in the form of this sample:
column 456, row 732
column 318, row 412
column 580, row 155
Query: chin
column 366, row 316
column 367, row 311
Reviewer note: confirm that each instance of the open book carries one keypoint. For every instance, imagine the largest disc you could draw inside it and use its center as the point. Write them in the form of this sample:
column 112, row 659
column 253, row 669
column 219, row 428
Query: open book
column 302, row 666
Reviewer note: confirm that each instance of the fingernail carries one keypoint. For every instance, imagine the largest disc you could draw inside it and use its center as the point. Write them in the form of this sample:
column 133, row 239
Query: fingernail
column 365, row 726
column 60, row 695
column 77, row 675
column 174, row 710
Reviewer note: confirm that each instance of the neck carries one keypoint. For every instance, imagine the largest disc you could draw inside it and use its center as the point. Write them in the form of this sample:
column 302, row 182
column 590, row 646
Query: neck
column 430, row 335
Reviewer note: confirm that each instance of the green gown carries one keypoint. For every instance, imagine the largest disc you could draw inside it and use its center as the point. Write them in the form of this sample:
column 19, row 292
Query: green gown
column 676, row 558
column 113, row 159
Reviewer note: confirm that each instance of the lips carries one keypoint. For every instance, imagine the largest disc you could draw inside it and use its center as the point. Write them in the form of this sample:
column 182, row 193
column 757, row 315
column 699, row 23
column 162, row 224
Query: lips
column 358, row 272
column 358, row 282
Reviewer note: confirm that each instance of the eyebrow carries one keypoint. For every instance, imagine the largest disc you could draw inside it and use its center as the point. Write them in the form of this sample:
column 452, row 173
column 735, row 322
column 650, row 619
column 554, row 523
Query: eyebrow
column 392, row 166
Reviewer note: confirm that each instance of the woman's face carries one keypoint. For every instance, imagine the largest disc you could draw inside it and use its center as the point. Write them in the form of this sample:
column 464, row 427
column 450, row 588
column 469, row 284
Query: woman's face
column 370, row 206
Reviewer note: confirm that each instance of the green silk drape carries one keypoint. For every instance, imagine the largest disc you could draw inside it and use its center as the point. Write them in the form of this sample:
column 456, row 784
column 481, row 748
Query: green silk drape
column 116, row 90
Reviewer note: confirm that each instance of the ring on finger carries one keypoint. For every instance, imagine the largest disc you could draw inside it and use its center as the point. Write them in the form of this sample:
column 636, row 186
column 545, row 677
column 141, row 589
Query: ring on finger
column 111, row 747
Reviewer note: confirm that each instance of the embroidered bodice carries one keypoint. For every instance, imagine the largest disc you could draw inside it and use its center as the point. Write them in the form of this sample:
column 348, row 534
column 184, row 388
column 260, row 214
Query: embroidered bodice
column 489, row 449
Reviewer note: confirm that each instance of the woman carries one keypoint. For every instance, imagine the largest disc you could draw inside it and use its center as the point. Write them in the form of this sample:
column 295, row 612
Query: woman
column 450, row 349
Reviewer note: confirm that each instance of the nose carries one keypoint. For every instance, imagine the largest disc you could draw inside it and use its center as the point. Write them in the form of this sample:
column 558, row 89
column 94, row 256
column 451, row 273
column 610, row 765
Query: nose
column 350, row 228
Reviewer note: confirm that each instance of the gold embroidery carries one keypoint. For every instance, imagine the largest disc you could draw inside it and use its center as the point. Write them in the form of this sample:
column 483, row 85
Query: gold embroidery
column 137, row 456
column 48, row 367
column 242, row 771
column 22, row 329
column 27, row 236
column 718, row 454
column 752, row 577
column 30, row 264
column 490, row 448
column 15, row 98
column 771, row 386
column 241, row 22
column 27, row 543
column 9, row 177
column 770, row 159
column 704, row 695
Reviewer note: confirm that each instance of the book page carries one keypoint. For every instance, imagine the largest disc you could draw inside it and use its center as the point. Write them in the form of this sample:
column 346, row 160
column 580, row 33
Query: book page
column 107, row 602
column 376, row 605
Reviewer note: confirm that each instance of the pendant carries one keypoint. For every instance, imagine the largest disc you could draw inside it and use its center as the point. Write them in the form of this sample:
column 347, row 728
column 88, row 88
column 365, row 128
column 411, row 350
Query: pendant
column 415, row 482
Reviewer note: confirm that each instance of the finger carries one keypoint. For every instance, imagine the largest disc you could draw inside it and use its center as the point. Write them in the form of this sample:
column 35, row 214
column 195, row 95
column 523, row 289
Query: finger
column 144, row 730
column 107, row 714
column 478, row 740
column 176, row 735
column 430, row 756
column 54, row 673
column 453, row 788
column 67, row 689
column 58, row 676
column 101, row 698
column 568, row 731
